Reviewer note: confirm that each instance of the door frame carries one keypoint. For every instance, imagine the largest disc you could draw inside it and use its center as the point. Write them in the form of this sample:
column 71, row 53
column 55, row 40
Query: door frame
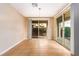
column 46, row 30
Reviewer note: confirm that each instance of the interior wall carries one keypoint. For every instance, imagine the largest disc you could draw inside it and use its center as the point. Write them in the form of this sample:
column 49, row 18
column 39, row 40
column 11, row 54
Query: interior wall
column 53, row 27
column 26, row 22
column 75, row 28
column 11, row 26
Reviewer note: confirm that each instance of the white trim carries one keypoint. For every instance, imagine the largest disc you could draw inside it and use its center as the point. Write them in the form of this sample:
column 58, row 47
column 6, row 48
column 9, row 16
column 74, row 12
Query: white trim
column 67, row 7
column 11, row 47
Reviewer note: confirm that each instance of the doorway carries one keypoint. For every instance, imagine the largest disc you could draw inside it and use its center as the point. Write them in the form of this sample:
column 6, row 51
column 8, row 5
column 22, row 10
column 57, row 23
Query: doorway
column 64, row 29
column 39, row 28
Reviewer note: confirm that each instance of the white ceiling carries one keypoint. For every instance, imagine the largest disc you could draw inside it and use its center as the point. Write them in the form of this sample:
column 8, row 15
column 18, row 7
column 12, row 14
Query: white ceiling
column 47, row 9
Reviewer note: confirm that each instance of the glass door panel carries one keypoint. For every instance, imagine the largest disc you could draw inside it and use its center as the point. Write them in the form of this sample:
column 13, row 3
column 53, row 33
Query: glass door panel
column 67, row 29
column 34, row 29
column 59, row 29
column 42, row 28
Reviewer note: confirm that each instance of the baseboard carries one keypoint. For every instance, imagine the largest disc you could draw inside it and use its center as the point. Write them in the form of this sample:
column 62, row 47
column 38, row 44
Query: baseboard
column 11, row 47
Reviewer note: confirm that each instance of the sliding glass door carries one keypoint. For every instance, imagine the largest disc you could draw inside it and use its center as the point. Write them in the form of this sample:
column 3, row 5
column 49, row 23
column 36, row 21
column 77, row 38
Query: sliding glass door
column 39, row 28
column 64, row 29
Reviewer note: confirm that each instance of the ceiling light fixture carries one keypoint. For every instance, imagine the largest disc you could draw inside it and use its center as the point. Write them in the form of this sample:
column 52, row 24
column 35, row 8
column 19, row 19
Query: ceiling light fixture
column 34, row 4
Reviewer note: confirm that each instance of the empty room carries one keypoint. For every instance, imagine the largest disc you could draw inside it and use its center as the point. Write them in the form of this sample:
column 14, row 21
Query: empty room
column 39, row 29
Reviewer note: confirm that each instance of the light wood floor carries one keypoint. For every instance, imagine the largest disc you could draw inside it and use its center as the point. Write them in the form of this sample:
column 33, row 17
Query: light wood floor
column 38, row 47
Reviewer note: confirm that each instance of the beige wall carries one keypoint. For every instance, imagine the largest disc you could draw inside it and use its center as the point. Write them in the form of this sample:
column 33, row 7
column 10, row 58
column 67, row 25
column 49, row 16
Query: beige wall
column 11, row 27
column 52, row 24
column 26, row 23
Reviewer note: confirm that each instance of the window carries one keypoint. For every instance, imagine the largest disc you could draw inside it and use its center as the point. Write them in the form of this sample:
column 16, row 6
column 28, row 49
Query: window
column 64, row 29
